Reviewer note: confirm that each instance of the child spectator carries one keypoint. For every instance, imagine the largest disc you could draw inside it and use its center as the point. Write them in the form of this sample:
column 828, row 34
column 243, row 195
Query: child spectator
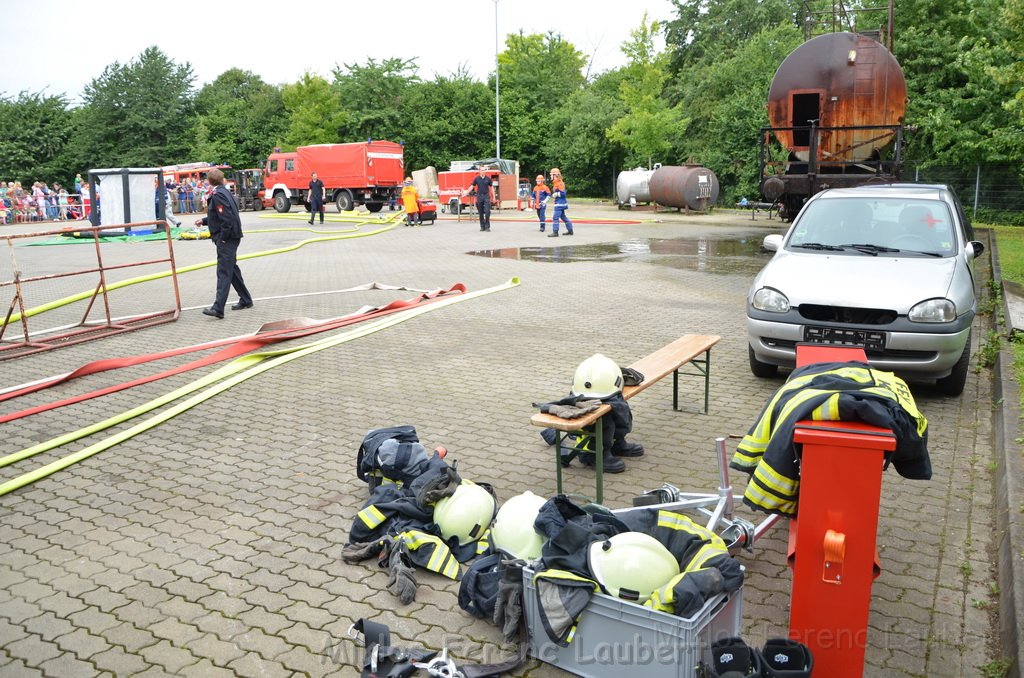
column 62, row 202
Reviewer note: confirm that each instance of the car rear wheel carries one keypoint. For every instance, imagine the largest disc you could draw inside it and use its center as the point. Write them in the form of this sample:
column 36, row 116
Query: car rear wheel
column 281, row 202
column 953, row 385
column 758, row 368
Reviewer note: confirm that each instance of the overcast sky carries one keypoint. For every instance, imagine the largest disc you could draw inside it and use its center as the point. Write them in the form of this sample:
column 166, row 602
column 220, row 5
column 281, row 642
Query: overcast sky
column 59, row 46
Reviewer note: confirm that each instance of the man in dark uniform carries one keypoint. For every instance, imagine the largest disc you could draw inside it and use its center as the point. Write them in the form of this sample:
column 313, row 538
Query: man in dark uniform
column 481, row 185
column 226, row 233
column 316, row 198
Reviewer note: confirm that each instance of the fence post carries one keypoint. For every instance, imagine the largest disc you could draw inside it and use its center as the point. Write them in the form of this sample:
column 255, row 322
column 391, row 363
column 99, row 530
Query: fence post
column 977, row 186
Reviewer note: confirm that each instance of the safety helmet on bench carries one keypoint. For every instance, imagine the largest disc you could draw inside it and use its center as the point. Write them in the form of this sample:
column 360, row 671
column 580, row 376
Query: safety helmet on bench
column 597, row 377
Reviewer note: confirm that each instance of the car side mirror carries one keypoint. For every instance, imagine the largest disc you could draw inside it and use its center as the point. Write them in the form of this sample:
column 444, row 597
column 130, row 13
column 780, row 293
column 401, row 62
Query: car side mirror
column 772, row 243
column 975, row 248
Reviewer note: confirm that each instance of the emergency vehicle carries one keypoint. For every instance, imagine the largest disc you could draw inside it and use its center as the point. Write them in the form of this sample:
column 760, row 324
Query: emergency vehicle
column 366, row 173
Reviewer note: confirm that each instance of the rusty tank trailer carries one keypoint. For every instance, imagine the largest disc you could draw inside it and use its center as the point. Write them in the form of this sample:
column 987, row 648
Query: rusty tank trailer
column 836, row 108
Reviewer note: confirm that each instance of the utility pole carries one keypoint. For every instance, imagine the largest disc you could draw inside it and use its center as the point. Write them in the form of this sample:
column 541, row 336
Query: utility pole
column 497, row 105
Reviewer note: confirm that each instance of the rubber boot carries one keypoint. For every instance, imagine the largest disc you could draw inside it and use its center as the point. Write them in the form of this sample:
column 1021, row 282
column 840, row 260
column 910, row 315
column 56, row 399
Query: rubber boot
column 622, row 448
column 612, row 464
column 733, row 658
column 785, row 658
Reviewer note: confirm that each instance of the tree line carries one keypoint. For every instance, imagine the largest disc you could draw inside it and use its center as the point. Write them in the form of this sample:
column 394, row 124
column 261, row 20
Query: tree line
column 699, row 99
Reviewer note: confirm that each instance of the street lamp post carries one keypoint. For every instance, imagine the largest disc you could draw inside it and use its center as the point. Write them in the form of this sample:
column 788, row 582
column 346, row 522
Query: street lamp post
column 497, row 105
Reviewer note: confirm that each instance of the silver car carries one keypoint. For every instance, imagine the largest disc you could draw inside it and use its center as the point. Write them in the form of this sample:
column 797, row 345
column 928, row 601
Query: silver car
column 889, row 268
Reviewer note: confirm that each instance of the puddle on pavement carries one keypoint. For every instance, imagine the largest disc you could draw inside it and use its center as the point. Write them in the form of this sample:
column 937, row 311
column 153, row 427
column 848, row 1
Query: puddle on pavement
column 726, row 255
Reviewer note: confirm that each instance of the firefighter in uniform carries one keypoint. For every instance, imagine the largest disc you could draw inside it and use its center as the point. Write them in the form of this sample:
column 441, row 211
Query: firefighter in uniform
column 226, row 233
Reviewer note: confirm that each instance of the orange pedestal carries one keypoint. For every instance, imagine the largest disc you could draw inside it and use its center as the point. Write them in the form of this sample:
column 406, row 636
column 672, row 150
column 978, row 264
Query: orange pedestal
column 834, row 547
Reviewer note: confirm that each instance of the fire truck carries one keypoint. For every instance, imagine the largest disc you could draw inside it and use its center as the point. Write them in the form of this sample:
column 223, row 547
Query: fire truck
column 504, row 175
column 366, row 173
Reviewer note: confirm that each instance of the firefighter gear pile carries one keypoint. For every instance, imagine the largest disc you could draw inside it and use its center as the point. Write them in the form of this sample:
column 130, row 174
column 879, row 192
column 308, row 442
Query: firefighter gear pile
column 850, row 391
column 576, row 562
column 420, row 512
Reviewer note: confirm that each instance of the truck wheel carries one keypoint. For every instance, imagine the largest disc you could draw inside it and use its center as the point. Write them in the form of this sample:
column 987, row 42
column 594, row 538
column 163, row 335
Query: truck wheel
column 281, row 202
column 257, row 204
column 374, row 206
column 344, row 201
column 454, row 206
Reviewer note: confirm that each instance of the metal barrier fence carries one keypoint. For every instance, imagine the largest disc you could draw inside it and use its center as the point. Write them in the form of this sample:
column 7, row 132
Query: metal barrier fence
column 33, row 294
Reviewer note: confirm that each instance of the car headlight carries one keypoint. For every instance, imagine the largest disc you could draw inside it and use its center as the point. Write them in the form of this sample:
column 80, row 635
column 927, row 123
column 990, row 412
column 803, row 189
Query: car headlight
column 933, row 311
column 767, row 299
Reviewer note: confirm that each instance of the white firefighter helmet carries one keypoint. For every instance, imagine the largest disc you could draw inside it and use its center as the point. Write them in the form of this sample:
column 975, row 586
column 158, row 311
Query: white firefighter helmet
column 597, row 377
column 513, row 531
column 631, row 565
column 466, row 514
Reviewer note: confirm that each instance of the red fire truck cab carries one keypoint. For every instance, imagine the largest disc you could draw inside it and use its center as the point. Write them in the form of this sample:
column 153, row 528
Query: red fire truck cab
column 363, row 173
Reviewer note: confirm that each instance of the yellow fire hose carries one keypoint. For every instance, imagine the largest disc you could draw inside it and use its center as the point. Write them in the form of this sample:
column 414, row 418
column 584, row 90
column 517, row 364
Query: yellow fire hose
column 235, row 372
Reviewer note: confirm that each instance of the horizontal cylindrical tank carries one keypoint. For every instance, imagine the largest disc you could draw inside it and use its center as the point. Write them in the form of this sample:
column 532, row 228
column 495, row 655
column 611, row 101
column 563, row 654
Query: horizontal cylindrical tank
column 837, row 80
column 691, row 186
column 635, row 184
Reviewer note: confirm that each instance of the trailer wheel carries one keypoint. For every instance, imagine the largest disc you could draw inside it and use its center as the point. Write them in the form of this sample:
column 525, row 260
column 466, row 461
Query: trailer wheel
column 454, row 206
column 374, row 206
column 281, row 202
column 257, row 204
column 344, row 201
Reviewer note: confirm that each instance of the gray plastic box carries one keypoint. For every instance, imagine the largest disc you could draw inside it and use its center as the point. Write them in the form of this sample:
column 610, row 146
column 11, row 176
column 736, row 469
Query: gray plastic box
column 614, row 636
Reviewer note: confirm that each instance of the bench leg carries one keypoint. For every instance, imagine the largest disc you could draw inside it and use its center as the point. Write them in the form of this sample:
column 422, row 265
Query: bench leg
column 558, row 460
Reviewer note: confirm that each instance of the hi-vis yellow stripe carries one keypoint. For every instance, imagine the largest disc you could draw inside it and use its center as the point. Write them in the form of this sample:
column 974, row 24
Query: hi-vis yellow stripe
column 371, row 517
column 775, row 481
column 677, row 521
column 769, row 502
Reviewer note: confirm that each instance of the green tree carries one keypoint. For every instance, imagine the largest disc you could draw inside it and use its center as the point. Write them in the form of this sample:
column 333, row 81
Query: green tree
column 537, row 74
column 650, row 124
column 373, row 94
column 448, row 118
column 577, row 142
column 315, row 114
column 36, row 128
column 138, row 114
column 239, row 119
column 708, row 30
column 951, row 53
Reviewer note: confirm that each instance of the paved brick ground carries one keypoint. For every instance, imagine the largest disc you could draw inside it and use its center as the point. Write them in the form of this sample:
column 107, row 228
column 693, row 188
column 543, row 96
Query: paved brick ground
column 210, row 544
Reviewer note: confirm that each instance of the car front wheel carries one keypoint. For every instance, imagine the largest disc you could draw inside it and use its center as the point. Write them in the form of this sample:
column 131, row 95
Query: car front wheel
column 758, row 368
column 953, row 385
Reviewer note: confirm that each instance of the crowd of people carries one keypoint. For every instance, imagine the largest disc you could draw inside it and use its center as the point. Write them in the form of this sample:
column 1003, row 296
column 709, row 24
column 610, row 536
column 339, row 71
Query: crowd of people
column 43, row 202
column 39, row 202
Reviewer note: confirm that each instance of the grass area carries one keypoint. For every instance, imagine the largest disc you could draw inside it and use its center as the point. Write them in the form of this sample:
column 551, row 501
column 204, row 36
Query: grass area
column 1010, row 241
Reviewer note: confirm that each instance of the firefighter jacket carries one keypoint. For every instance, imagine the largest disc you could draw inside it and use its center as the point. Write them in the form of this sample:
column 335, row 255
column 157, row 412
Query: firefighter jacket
column 540, row 195
column 222, row 216
column 410, row 199
column 827, row 392
column 559, row 193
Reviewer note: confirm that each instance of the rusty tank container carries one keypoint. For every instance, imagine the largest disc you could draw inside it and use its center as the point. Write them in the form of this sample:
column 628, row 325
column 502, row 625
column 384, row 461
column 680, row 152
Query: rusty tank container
column 687, row 186
column 837, row 80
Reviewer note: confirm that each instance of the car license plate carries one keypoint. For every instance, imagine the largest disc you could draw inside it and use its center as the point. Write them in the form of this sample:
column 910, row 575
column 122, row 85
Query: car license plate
column 842, row 337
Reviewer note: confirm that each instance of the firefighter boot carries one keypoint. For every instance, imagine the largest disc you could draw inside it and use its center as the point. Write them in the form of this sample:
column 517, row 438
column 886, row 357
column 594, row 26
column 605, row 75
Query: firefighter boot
column 611, row 463
column 622, row 448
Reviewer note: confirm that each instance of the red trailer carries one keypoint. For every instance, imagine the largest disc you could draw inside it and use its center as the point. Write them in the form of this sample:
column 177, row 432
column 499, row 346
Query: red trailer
column 452, row 184
column 362, row 173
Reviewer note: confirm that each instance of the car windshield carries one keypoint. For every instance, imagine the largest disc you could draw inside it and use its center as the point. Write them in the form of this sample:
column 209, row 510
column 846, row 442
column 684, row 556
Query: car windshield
column 865, row 225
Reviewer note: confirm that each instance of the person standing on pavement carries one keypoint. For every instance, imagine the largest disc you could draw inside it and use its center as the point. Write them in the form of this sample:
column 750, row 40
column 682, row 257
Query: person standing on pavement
column 558, row 192
column 226, row 233
column 411, row 203
column 316, row 198
column 541, row 193
column 481, row 185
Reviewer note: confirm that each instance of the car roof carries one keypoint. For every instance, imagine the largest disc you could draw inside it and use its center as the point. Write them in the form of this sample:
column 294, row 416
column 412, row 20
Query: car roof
column 934, row 191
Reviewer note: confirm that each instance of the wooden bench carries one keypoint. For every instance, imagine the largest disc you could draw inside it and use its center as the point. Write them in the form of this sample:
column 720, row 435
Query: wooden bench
column 690, row 349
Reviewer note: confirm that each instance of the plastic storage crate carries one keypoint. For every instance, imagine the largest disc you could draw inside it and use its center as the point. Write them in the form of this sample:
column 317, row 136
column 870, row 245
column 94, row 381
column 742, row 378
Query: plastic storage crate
column 614, row 636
